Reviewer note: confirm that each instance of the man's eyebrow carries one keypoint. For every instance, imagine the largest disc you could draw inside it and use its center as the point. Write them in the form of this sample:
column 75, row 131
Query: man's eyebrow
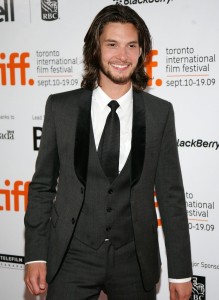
column 110, row 40
column 114, row 41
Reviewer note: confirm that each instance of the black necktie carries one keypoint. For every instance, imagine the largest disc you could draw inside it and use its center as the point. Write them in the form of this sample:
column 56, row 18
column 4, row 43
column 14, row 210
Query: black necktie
column 109, row 145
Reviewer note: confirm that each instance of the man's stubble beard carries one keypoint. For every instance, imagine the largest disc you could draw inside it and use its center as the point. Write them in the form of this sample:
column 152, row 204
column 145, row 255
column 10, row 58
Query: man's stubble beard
column 114, row 79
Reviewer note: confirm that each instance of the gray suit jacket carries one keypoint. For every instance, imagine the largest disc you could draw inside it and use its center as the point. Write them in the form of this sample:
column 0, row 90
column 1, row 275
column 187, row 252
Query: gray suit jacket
column 56, row 192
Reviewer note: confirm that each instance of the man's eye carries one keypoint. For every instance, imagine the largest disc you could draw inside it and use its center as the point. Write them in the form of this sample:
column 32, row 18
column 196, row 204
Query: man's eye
column 132, row 45
column 111, row 44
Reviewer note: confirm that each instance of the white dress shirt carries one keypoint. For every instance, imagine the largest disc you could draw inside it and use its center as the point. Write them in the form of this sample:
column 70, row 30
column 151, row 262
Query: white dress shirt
column 99, row 113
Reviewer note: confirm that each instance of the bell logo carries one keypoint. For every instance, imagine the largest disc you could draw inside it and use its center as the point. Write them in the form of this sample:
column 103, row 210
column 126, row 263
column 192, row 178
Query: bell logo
column 10, row 197
column 7, row 11
column 8, row 70
column 149, row 65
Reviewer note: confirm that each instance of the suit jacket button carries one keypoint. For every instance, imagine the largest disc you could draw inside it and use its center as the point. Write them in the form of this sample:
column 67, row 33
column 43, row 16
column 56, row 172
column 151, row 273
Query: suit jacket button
column 82, row 190
column 73, row 220
column 110, row 191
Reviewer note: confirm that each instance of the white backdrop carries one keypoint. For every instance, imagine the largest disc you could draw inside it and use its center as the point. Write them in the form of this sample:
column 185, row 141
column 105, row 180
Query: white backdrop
column 41, row 53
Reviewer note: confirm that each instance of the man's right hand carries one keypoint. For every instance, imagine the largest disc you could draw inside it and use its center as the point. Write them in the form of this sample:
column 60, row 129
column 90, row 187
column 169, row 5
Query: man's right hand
column 35, row 278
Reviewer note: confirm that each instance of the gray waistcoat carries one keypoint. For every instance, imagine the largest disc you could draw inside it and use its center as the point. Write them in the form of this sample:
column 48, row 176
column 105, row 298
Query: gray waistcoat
column 106, row 210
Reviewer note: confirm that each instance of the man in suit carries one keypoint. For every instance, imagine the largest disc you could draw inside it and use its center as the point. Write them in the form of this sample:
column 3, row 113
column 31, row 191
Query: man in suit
column 91, row 223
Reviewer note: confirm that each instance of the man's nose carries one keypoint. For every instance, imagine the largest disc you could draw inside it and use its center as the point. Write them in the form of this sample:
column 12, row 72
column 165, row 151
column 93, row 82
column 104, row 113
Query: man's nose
column 123, row 53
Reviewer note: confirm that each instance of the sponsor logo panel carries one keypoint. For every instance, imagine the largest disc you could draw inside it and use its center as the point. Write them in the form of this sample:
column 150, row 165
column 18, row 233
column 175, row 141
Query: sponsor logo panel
column 13, row 195
column 52, row 69
column 133, row 2
column 13, row 69
column 49, row 10
column 198, row 288
column 7, row 135
column 7, row 11
column 11, row 261
column 198, row 143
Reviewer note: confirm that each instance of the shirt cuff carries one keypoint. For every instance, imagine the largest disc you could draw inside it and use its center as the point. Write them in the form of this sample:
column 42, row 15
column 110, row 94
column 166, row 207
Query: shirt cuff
column 35, row 261
column 181, row 280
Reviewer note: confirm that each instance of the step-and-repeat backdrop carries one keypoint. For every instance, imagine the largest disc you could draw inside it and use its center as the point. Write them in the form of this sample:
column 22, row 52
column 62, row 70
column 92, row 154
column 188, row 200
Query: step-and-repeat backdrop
column 41, row 53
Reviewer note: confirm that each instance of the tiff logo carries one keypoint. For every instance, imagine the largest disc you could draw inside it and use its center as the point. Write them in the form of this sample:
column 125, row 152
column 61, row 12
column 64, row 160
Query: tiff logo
column 149, row 65
column 5, row 9
column 17, row 62
column 10, row 196
column 49, row 10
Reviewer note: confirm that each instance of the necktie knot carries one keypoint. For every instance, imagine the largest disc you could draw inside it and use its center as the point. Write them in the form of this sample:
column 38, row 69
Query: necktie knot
column 113, row 105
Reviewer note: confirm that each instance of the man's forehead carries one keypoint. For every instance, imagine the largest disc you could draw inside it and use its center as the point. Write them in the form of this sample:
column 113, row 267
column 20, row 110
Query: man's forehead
column 119, row 28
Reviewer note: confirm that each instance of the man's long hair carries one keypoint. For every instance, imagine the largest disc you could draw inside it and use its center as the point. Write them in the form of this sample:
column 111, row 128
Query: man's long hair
column 91, row 51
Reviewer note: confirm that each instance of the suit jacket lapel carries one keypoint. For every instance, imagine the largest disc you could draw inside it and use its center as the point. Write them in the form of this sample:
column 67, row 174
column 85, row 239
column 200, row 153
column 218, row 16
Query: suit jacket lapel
column 83, row 136
column 138, row 137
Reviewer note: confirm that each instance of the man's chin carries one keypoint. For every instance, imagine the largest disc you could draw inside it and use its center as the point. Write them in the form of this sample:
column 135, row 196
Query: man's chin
column 120, row 80
column 117, row 79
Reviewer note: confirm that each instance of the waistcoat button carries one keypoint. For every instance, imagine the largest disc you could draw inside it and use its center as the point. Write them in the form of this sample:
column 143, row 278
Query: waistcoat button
column 110, row 191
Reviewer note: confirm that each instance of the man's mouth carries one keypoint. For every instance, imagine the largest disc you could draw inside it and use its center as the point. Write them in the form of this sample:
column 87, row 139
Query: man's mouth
column 120, row 67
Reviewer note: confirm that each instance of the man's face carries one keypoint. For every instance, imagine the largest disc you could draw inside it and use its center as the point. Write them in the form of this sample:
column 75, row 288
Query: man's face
column 120, row 52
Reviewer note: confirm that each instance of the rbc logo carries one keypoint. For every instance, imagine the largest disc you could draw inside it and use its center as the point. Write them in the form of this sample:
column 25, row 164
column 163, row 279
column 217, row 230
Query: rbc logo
column 49, row 10
column 8, row 74
column 198, row 288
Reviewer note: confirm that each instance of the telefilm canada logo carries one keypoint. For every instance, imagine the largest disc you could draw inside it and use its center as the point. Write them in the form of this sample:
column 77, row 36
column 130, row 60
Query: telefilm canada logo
column 7, row 11
column 11, row 261
column 198, row 288
column 131, row 2
column 49, row 10
column 7, row 135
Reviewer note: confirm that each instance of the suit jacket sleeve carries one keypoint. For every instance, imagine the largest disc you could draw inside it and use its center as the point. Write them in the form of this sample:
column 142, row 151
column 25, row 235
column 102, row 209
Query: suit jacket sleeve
column 42, row 191
column 172, row 206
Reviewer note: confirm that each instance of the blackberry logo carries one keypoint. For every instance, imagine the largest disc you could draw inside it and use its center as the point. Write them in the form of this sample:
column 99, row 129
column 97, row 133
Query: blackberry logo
column 198, row 288
column 49, row 10
column 199, row 143
column 130, row 2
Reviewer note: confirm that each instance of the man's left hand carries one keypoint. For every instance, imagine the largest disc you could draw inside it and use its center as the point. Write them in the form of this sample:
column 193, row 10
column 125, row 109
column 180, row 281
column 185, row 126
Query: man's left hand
column 180, row 291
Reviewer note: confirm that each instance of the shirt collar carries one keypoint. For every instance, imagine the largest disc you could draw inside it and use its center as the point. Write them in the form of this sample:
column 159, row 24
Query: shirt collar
column 102, row 99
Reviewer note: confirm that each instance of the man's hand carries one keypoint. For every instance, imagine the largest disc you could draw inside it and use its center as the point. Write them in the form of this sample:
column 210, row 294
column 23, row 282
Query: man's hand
column 35, row 278
column 180, row 291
